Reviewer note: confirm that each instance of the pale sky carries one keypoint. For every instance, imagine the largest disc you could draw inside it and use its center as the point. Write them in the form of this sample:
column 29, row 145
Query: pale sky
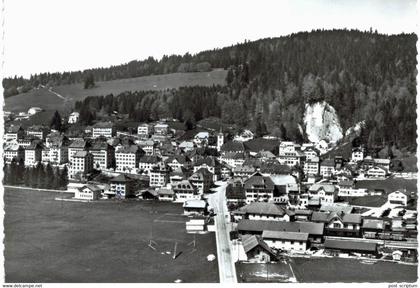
column 51, row 35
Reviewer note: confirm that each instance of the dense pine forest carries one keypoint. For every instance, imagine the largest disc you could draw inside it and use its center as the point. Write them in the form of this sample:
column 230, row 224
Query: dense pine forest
column 365, row 76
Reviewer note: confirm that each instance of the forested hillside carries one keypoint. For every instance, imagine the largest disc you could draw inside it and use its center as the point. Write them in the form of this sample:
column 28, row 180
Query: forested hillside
column 363, row 75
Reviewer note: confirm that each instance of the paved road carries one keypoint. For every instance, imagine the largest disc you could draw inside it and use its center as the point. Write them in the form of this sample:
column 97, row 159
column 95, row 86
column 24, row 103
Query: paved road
column 227, row 272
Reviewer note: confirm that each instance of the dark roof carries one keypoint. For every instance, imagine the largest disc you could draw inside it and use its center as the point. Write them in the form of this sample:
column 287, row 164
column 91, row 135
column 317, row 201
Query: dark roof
column 261, row 225
column 297, row 236
column 303, row 212
column 13, row 129
column 254, row 162
column 100, row 145
column 373, row 224
column 264, row 208
column 328, row 162
column 258, row 180
column 149, row 159
column 78, row 143
column 129, row 149
column 261, row 144
column 279, row 190
column 235, row 192
column 209, row 161
column 234, row 146
column 355, row 245
column 274, row 167
column 250, row 242
column 121, row 178
column 33, row 145
column 81, row 154
column 103, row 125
column 182, row 159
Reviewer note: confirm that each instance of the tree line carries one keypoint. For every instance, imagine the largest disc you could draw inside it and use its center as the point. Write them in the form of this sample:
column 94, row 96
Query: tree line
column 365, row 76
column 41, row 176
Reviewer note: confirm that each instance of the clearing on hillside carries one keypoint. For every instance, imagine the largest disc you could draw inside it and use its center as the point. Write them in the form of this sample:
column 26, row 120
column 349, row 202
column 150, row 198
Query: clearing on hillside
column 50, row 101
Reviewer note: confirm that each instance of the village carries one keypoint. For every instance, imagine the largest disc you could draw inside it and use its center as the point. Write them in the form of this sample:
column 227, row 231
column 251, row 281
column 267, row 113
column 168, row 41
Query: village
column 275, row 198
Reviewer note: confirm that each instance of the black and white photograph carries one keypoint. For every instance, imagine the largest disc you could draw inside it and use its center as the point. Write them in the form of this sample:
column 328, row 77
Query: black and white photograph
column 221, row 142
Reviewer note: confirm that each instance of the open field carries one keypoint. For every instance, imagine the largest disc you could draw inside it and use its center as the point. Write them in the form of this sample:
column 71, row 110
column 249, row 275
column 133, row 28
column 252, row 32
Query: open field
column 105, row 241
column 270, row 272
column 389, row 185
column 74, row 92
column 351, row 270
column 369, row 201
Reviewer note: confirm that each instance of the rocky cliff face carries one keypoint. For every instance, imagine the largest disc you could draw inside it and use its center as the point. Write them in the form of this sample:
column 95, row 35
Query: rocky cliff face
column 321, row 123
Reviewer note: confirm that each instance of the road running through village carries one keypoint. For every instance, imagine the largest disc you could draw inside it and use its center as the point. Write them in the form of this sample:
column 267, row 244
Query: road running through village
column 227, row 271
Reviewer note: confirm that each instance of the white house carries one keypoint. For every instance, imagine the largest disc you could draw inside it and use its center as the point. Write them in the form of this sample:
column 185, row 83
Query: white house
column 88, row 192
column 244, row 136
column 33, row 154
column 127, row 157
column 357, row 155
column 263, row 211
column 289, row 241
column 74, row 117
column 144, row 129
column 105, row 129
column 82, row 163
column 376, row 172
column 327, row 168
column 398, row 198
column 326, row 192
column 159, row 175
column 347, row 189
column 311, row 166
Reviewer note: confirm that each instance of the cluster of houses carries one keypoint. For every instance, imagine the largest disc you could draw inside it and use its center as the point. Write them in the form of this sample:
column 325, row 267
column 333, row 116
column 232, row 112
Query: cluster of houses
column 266, row 230
column 281, row 194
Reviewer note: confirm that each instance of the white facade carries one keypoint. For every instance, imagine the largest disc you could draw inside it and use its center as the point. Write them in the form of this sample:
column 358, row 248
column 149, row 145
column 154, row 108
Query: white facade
column 87, row 193
column 326, row 170
column 376, row 172
column 144, row 130
column 106, row 132
column 357, row 156
column 311, row 166
column 55, row 155
column 220, row 141
column 159, row 177
column 100, row 158
column 74, row 117
column 31, row 157
column 125, row 161
column 397, row 197
column 82, row 163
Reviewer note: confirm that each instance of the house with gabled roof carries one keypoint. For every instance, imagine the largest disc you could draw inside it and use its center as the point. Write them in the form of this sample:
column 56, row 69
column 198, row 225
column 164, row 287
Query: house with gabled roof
column 264, row 211
column 88, row 192
column 233, row 159
column 339, row 223
column 103, row 155
column 325, row 192
column 256, row 250
column 258, row 188
column 122, row 186
column 287, row 241
column 211, row 164
column 327, row 168
column 178, row 161
column 33, row 154
column 184, row 190
column 14, row 132
column 257, row 227
column 377, row 172
column 202, row 179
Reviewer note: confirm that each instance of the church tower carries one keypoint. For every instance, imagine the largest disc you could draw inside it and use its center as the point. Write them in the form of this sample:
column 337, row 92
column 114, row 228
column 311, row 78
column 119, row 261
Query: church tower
column 220, row 140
